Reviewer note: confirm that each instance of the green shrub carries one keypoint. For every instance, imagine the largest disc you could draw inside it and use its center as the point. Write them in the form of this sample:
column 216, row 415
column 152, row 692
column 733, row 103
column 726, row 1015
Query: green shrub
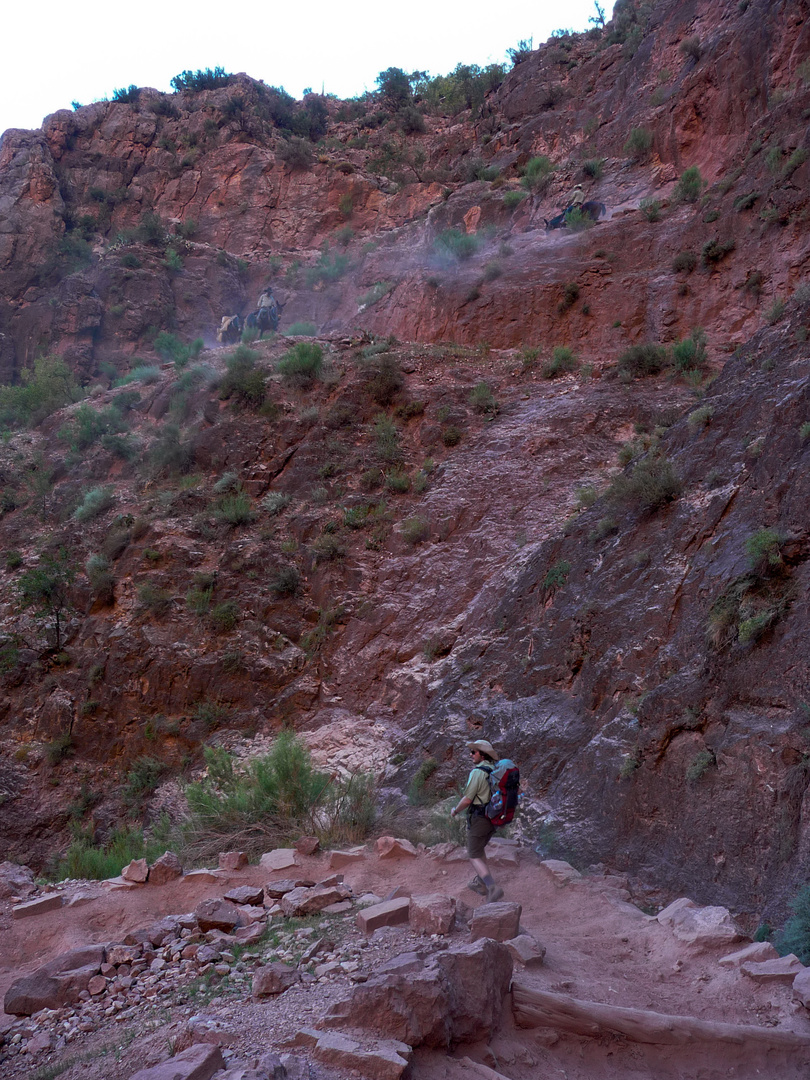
column 556, row 576
column 287, row 581
column 153, row 599
column 302, row 364
column 302, row 329
column 243, row 380
column 703, row 761
column 398, row 481
column 651, row 209
column 537, row 174
column 716, row 249
column 652, row 483
column 42, row 390
column 562, row 362
column 142, row 779
column 14, row 560
column 641, row 360
column 795, row 936
column 386, row 437
column 275, row 502
column 328, row 267
column 639, row 143
column 577, row 220
column 419, row 793
column 95, row 502
column 87, row 861
column 170, row 453
column 775, row 312
column 87, row 425
column 804, row 431
column 59, row 747
column 235, row 510
column 594, row 167
column 169, row 347
column 101, row 578
column 689, row 354
column 512, row 199
column 224, row 616
column 198, row 600
column 700, row 417
column 451, row 435
column 689, row 186
column 415, row 530
column 383, row 378
column 684, row 261
column 145, row 373
column 570, row 296
column 690, row 47
column 764, row 551
column 375, row 294
column 202, row 79
column 482, row 399
column 456, row 245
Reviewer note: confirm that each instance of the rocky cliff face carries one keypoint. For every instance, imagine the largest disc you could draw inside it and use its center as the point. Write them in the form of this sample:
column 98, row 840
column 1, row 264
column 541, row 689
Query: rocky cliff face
column 643, row 659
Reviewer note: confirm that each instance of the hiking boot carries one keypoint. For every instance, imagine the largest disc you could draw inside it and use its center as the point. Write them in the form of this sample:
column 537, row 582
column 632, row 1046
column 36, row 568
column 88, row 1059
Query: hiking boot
column 477, row 885
column 494, row 894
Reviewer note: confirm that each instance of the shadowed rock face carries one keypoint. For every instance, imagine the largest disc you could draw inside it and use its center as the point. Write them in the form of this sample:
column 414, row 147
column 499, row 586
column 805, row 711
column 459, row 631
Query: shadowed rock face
column 642, row 740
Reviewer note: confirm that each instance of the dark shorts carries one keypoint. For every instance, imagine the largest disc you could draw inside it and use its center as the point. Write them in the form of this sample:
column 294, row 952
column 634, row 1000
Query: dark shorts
column 479, row 830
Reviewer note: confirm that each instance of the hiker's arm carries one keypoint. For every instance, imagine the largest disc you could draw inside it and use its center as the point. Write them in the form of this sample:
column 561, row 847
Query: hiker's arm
column 465, row 802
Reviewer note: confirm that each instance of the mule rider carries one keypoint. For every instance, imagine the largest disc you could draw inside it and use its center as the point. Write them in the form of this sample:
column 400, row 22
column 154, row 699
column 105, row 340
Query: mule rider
column 267, row 300
column 575, row 200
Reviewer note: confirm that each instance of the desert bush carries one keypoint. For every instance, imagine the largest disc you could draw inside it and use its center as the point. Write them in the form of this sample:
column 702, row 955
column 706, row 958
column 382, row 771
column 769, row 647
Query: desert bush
column 702, row 762
column 577, row 221
column 386, row 438
column 512, row 199
column 641, row 360
column 398, row 481
column 41, row 391
column 639, row 143
column 202, row 79
column 415, row 530
column 153, row 599
column 275, row 502
column 556, row 576
column 689, row 186
column 451, row 435
column 775, row 312
column 302, row 329
column 88, row 861
column 267, row 800
column 328, row 268
column 127, row 95
column 795, row 936
column 562, row 362
column 301, row 365
column 745, row 202
column 235, row 509
column 537, row 174
column 142, row 780
column 95, row 502
column 287, row 581
column 764, row 551
column 144, row 373
column 700, row 417
column 383, row 378
column 594, row 167
column 243, row 380
column 456, row 245
column 482, row 399
column 689, row 354
column 198, row 599
column 171, row 348
column 170, row 454
column 87, row 425
column 59, row 747
column 651, row 209
column 690, row 47
column 651, row 484
column 224, row 616
column 101, row 578
column 684, row 261
column 419, row 789
column 375, row 294
column 716, row 249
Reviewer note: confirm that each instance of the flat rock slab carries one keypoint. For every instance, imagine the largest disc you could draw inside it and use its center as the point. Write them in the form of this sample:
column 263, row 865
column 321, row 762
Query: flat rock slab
column 388, row 847
column 274, row 979
column 279, row 859
column 504, row 856
column 389, row 913
column 48, row 902
column 432, row 913
column 304, row 901
column 560, row 872
column 784, row 969
column 340, row 908
column 703, row 927
column 246, row 894
column 345, row 858
column 56, row 984
column 378, row 1059
column 199, row 1062
column 500, row 921
column 274, row 890
column 206, row 874
column 217, row 915
column 756, row 951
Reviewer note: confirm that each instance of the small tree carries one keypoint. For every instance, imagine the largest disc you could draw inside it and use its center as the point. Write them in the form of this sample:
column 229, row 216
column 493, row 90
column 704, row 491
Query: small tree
column 46, row 588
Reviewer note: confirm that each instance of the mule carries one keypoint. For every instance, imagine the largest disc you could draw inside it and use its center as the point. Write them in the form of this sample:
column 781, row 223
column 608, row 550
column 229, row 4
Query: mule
column 265, row 319
column 230, row 330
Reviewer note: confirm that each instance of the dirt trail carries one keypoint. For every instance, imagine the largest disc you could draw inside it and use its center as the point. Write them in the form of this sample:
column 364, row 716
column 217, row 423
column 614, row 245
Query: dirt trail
column 599, row 947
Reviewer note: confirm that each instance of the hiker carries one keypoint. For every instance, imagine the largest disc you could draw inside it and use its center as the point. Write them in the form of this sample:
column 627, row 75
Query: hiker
column 479, row 827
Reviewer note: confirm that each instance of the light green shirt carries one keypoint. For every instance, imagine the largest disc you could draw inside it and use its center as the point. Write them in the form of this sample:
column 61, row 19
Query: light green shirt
column 477, row 787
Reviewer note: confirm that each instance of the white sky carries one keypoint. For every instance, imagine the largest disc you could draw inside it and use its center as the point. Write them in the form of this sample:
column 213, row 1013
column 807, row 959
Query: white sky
column 57, row 52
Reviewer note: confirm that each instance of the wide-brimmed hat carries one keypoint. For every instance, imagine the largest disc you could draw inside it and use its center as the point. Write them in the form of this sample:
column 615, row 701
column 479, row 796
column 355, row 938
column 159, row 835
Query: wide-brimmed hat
column 485, row 747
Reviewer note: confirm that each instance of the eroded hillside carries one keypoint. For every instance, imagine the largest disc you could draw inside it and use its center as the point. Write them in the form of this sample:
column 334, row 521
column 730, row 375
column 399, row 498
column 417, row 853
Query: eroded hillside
column 384, row 555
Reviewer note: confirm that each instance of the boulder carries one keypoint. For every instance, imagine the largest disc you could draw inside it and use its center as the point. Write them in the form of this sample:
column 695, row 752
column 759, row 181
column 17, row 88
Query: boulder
column 432, row 913
column 217, row 915
column 136, row 872
column 273, row 979
column 783, row 969
column 58, row 983
column 279, row 859
column 48, row 902
column 477, row 976
column 378, row 1059
column 756, row 951
column 388, row 847
column 503, row 856
column 232, row 860
column 560, row 872
column 199, row 1062
column 307, row 845
column 526, row 950
column 97, row 985
column 801, row 987
column 389, row 913
column 703, row 927
column 15, row 880
column 500, row 921
column 249, row 935
column 167, row 868
column 345, row 858
column 246, row 894
column 302, row 901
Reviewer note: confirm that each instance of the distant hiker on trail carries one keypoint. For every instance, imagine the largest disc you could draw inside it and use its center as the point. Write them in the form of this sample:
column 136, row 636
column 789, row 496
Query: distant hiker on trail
column 479, row 827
